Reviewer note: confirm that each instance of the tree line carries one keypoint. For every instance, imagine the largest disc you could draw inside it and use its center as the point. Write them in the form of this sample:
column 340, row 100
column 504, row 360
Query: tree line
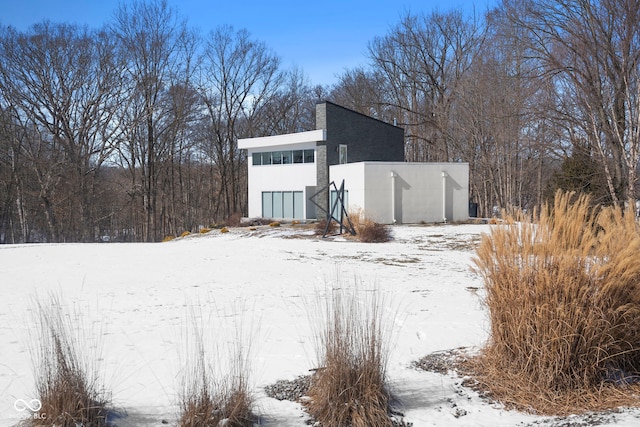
column 130, row 130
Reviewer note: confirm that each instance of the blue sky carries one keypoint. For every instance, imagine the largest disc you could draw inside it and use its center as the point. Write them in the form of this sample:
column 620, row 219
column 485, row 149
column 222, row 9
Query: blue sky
column 323, row 38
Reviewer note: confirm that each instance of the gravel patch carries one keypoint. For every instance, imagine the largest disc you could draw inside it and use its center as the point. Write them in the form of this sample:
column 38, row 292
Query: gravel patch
column 291, row 390
column 442, row 362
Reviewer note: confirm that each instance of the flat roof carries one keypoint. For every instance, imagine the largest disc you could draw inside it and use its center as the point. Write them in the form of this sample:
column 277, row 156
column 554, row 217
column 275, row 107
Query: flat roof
column 286, row 139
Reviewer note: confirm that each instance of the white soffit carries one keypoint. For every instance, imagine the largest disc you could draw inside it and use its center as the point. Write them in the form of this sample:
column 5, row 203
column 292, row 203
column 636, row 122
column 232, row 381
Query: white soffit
column 286, row 139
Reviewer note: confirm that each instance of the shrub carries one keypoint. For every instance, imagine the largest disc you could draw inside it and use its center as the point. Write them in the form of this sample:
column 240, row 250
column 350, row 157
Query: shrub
column 185, row 233
column 369, row 231
column 563, row 294
column 224, row 230
column 66, row 380
column 168, row 238
column 204, row 230
column 349, row 387
column 274, row 224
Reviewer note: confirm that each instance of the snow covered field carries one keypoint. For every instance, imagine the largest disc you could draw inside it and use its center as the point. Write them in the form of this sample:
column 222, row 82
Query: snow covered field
column 137, row 298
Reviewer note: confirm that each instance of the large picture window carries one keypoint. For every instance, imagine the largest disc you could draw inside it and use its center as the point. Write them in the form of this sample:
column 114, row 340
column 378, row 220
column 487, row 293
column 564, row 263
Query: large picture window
column 282, row 204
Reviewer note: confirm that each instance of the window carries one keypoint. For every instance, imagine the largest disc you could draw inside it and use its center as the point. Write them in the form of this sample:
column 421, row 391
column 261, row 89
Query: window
column 283, row 157
column 282, row 204
column 276, row 157
column 277, row 204
column 335, row 202
column 266, row 158
column 267, row 205
column 298, row 156
column 286, row 157
column 287, row 204
column 342, row 154
column 309, row 156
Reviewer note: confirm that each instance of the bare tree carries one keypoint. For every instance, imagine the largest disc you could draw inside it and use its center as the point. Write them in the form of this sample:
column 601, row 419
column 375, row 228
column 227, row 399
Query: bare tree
column 290, row 109
column 591, row 52
column 32, row 168
column 179, row 210
column 423, row 60
column 499, row 124
column 157, row 47
column 12, row 172
column 239, row 76
column 365, row 91
column 61, row 81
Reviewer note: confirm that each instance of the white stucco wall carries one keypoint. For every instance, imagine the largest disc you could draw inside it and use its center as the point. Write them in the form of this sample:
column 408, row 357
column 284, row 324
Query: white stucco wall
column 414, row 195
column 353, row 175
column 283, row 177
column 289, row 177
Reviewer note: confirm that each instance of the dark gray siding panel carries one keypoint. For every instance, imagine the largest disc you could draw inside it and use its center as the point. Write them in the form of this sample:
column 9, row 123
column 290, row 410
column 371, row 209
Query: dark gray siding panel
column 367, row 139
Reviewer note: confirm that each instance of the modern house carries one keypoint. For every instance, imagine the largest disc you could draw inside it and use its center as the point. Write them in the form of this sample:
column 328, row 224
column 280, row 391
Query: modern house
column 285, row 171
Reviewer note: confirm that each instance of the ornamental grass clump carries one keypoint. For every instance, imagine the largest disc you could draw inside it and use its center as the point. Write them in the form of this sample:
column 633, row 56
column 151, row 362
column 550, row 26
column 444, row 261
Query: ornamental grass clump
column 209, row 401
column 367, row 230
column 68, row 383
column 563, row 295
column 349, row 387
column 215, row 391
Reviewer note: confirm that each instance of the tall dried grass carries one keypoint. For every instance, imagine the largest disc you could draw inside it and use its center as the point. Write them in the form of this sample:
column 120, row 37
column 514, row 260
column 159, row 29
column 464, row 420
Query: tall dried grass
column 368, row 230
column 67, row 379
column 215, row 394
column 353, row 335
column 563, row 294
column 321, row 226
column 208, row 400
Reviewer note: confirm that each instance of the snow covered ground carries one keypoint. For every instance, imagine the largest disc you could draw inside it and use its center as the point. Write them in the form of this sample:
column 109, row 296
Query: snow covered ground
column 136, row 298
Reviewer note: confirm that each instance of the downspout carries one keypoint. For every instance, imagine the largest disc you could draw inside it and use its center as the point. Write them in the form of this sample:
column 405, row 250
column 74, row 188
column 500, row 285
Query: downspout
column 393, row 197
column 444, row 197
